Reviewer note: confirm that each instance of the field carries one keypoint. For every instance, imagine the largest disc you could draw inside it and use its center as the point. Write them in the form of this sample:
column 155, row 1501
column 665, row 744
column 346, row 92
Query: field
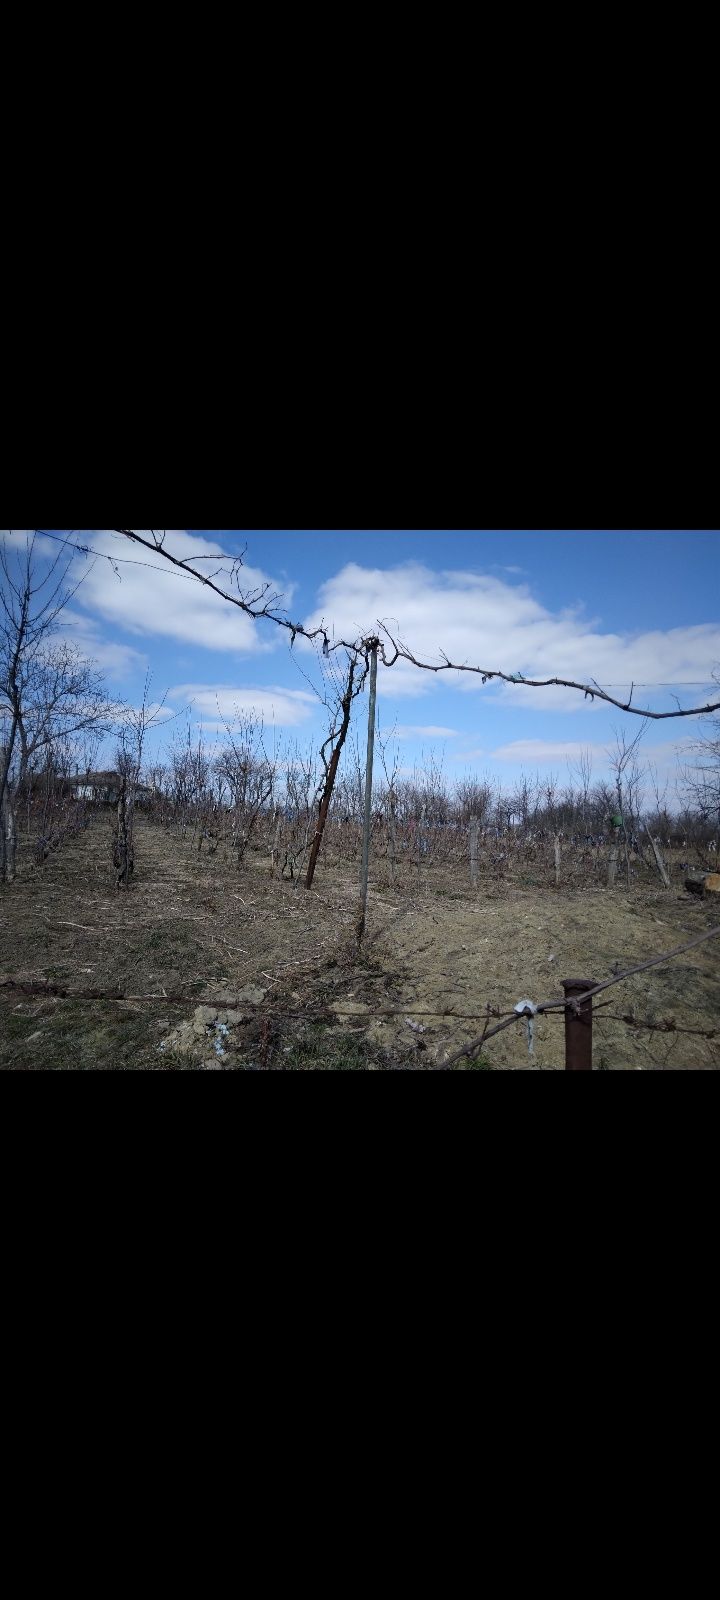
column 237, row 969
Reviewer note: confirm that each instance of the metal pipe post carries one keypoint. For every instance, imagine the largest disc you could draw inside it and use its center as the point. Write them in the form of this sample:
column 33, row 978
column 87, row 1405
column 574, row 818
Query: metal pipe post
column 578, row 1027
column 365, row 865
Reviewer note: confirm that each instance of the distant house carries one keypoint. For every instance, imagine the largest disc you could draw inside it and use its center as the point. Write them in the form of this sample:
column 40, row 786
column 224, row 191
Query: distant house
column 103, row 788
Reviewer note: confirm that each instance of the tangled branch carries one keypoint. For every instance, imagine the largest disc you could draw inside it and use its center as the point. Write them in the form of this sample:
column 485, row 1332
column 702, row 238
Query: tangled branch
column 264, row 603
column 591, row 691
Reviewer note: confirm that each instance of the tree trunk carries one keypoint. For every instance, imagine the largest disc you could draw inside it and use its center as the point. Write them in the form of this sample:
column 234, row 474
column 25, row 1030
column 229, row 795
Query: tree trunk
column 330, row 778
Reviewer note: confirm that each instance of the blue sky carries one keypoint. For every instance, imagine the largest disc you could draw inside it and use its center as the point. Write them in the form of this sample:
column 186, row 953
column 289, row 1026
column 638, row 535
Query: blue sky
column 611, row 606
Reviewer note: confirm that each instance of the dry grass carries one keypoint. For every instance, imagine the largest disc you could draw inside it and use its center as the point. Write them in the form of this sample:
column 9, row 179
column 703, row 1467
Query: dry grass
column 193, row 927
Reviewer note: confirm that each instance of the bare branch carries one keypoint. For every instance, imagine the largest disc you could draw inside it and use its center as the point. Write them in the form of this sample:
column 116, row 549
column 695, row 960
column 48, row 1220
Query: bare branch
column 263, row 603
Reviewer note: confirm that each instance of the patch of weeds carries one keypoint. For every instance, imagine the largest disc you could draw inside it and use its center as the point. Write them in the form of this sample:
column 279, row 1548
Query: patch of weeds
column 17, row 1026
column 170, row 945
column 54, row 974
column 322, row 1049
column 175, row 1061
column 78, row 1037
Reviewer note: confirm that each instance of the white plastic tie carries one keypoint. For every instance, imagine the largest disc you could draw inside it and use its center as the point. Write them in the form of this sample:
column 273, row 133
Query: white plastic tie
column 528, row 1009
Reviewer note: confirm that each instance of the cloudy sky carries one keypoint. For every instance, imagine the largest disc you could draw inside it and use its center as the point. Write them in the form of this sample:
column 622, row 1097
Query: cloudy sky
column 613, row 607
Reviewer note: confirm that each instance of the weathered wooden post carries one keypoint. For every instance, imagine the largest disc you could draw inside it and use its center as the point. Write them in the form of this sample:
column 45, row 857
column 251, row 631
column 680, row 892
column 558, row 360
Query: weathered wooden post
column 275, row 849
column 8, row 801
column 123, row 855
column 10, row 836
column 7, row 837
column 474, row 827
column 658, row 859
column 391, row 842
column 421, row 836
column 578, row 1026
column 557, row 861
column 617, row 825
column 367, row 820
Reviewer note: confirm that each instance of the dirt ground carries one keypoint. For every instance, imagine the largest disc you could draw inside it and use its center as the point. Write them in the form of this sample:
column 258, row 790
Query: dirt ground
column 245, row 971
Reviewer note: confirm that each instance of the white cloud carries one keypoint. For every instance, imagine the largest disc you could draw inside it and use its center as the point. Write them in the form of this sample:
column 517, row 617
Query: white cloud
column 538, row 752
column 562, row 753
column 118, row 660
column 404, row 731
column 483, row 621
column 283, row 708
column 144, row 595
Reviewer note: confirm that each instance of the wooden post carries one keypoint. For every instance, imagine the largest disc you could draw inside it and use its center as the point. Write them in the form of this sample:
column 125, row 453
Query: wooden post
column 627, row 854
column 658, row 858
column 10, row 837
column 557, row 861
column 6, row 755
column 367, row 821
column 621, row 816
column 392, row 807
column 612, row 865
column 2, row 818
column 275, row 851
column 421, row 834
column 474, row 851
column 7, row 837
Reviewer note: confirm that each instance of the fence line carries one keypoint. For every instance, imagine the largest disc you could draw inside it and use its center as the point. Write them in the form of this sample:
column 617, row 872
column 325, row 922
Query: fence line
column 572, row 1005
column 226, row 1002
column 668, row 1025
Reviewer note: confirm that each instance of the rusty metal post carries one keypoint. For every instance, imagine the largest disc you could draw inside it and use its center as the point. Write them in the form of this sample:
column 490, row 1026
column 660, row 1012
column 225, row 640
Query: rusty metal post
column 578, row 1027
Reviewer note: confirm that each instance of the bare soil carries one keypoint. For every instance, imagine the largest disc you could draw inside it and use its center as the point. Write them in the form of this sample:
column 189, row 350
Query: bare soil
column 193, row 932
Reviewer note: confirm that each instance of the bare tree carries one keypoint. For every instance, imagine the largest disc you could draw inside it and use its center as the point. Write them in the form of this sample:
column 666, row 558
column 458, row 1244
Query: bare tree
column 701, row 779
column 48, row 692
column 338, row 700
column 389, row 753
column 628, row 788
column 295, row 817
column 250, row 776
column 581, row 772
column 137, row 723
